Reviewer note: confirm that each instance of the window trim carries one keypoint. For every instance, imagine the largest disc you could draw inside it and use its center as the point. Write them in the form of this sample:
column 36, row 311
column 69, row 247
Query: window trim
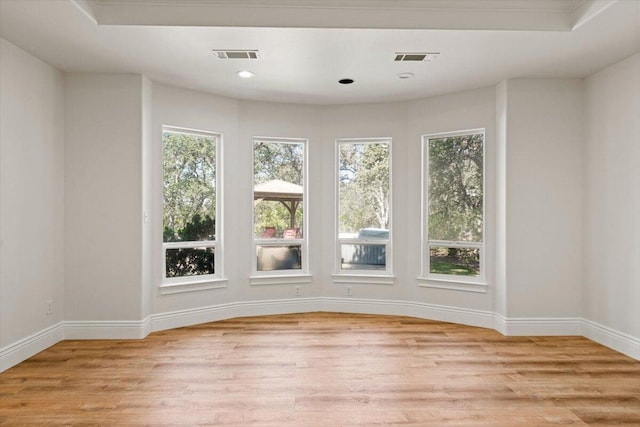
column 341, row 275
column 450, row 281
column 171, row 285
column 289, row 276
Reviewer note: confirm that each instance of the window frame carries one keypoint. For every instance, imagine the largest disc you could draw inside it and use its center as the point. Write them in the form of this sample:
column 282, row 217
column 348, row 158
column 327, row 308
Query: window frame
column 368, row 276
column 292, row 276
column 474, row 284
column 171, row 285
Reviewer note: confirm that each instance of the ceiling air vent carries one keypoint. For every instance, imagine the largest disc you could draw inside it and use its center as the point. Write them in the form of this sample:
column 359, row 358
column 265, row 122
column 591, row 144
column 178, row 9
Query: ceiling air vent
column 236, row 54
column 416, row 56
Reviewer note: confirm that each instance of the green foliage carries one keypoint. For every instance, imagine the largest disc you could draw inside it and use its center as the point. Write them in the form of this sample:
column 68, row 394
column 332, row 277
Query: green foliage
column 445, row 267
column 195, row 230
column 278, row 160
column 456, row 188
column 189, row 177
column 274, row 214
column 364, row 186
column 190, row 261
column 457, row 261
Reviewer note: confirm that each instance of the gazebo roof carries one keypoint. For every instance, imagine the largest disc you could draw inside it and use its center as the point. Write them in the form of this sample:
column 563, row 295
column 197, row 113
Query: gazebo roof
column 278, row 190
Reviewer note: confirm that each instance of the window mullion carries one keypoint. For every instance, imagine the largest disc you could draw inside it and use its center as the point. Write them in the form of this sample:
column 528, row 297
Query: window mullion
column 455, row 243
column 190, row 244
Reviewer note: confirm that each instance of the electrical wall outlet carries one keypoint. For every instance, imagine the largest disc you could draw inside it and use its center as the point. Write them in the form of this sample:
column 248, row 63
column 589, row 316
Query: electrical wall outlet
column 349, row 291
column 49, row 307
column 298, row 291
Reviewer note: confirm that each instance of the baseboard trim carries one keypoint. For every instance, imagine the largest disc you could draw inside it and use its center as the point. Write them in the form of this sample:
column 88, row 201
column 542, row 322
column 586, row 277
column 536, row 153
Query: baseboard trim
column 27, row 347
column 17, row 352
column 619, row 341
column 102, row 330
column 443, row 313
column 177, row 319
column 483, row 319
column 363, row 306
column 543, row 326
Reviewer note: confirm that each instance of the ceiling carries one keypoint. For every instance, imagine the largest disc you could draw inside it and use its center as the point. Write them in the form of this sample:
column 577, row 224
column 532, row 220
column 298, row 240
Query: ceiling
column 306, row 46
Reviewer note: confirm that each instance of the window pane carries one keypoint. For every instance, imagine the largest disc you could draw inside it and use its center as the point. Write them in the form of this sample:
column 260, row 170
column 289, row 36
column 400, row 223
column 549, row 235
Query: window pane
column 363, row 188
column 284, row 257
column 277, row 215
column 457, row 261
column 189, row 261
column 455, row 188
column 189, row 196
column 363, row 257
column 278, row 189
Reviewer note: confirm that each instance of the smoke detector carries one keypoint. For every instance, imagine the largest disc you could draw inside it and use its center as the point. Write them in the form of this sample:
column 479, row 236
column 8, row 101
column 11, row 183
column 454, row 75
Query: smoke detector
column 405, row 76
column 236, row 54
column 416, row 56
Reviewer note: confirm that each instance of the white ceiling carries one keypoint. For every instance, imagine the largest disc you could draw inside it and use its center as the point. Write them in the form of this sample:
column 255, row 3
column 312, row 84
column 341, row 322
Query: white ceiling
column 306, row 46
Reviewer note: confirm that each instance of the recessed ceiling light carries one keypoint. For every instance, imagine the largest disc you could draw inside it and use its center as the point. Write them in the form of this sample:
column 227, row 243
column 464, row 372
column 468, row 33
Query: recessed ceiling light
column 245, row 74
column 345, row 81
column 404, row 76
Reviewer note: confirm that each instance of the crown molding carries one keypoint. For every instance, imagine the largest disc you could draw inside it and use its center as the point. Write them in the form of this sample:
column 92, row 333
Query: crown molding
column 511, row 15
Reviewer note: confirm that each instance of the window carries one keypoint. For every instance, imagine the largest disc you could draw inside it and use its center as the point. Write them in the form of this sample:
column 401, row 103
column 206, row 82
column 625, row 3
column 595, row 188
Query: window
column 453, row 182
column 364, row 206
column 191, row 226
column 279, row 206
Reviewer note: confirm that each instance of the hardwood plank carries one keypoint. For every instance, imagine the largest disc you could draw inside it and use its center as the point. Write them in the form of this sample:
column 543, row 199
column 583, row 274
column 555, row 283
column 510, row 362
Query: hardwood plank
column 324, row 369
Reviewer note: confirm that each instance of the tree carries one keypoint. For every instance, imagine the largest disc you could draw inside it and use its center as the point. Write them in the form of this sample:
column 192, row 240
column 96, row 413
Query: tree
column 456, row 188
column 364, row 186
column 189, row 177
column 190, row 261
column 189, row 201
column 278, row 160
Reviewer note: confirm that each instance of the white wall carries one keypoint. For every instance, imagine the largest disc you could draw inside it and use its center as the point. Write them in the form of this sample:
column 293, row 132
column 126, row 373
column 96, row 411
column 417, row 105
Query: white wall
column 544, row 198
column 31, row 194
column 103, row 203
column 612, row 198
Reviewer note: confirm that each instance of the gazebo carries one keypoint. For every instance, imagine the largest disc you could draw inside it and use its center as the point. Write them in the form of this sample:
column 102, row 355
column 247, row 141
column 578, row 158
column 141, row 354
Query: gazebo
column 287, row 193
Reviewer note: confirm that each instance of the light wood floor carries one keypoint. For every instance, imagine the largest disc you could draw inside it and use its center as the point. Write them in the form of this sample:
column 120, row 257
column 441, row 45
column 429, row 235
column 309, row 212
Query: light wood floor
column 324, row 369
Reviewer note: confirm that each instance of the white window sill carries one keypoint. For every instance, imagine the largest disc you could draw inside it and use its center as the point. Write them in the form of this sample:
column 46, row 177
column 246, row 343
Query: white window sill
column 453, row 284
column 193, row 285
column 369, row 279
column 280, row 279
